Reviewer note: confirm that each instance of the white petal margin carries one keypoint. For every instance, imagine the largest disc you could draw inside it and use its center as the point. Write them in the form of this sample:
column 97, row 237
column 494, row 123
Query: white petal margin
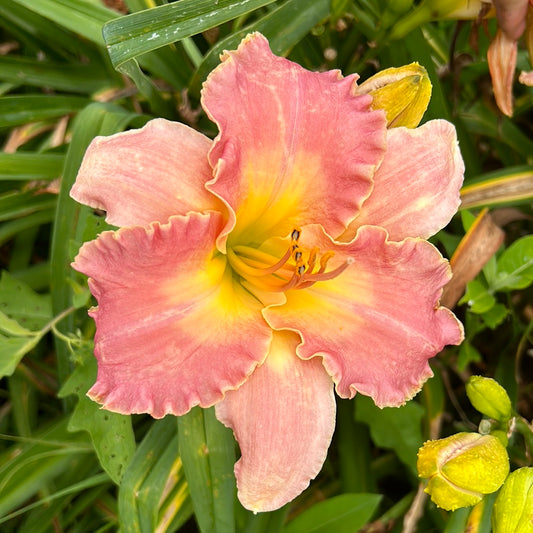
column 283, row 418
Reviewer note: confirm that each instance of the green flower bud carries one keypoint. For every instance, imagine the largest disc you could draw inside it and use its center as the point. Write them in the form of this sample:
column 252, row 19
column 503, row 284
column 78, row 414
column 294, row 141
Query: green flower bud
column 513, row 508
column 489, row 398
column 462, row 468
column 403, row 93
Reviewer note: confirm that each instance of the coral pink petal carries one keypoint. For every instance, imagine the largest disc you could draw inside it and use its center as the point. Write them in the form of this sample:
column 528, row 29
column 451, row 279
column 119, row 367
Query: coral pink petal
column 172, row 329
column 294, row 147
column 146, row 175
column 416, row 188
column 378, row 322
column 501, row 57
column 283, row 418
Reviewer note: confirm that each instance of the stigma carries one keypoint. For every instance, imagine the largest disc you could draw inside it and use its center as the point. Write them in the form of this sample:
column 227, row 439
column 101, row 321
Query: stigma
column 298, row 268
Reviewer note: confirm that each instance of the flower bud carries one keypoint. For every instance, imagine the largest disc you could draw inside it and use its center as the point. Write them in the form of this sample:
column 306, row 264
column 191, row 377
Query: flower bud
column 513, row 508
column 403, row 93
column 462, row 468
column 489, row 398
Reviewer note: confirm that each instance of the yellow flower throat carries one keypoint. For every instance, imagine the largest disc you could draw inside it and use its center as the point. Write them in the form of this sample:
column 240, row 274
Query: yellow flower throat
column 297, row 269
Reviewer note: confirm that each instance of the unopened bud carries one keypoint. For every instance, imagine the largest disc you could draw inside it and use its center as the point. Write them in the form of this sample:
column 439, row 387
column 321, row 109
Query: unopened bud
column 403, row 93
column 513, row 508
column 462, row 468
column 489, row 398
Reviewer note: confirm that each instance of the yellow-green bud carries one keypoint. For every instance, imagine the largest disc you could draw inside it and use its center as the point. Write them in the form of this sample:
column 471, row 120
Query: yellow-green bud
column 403, row 93
column 489, row 398
column 462, row 468
column 513, row 508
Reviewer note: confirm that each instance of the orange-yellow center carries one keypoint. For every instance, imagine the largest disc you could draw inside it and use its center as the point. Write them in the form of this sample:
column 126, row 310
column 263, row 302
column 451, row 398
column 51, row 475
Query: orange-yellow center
column 297, row 269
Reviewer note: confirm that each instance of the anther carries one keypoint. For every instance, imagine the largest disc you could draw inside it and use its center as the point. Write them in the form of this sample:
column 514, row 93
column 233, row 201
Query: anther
column 295, row 234
column 297, row 256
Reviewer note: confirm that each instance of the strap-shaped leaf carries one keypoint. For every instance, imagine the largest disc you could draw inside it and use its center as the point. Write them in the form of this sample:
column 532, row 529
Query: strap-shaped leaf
column 133, row 35
column 283, row 27
column 207, row 451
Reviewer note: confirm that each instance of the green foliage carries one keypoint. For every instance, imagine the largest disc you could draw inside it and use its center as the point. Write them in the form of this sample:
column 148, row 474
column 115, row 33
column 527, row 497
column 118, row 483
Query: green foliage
column 111, row 433
column 394, row 428
column 74, row 69
column 342, row 514
column 207, row 451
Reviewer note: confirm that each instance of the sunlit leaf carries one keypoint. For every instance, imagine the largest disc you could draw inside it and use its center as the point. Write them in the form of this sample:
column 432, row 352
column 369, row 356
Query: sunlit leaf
column 515, row 266
column 477, row 297
column 133, row 35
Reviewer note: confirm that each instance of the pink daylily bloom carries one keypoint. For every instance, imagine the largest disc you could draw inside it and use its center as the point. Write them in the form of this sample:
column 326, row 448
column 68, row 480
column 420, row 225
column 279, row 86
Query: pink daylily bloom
column 258, row 271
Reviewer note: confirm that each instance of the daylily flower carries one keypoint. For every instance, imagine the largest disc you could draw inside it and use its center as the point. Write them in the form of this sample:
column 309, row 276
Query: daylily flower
column 257, row 271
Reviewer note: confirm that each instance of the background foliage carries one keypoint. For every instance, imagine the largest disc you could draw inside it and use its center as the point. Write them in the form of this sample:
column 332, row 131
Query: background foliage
column 74, row 69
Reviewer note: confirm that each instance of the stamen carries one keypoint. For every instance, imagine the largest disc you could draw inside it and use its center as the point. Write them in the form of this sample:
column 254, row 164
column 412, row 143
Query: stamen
column 312, row 259
column 311, row 279
column 281, row 276
column 324, row 261
column 243, row 267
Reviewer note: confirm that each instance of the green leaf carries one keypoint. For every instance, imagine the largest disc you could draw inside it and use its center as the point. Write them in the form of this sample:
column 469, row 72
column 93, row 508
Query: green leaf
column 208, row 454
column 467, row 354
column 342, row 514
column 340, row 7
column 111, row 433
column 495, row 316
column 40, row 33
column 12, row 327
column 9, row 230
column 153, row 470
column 515, row 266
column 396, row 428
column 30, row 166
column 31, row 310
column 20, row 204
column 133, row 35
column 25, row 316
column 434, row 399
column 12, row 350
column 27, row 467
column 80, row 16
column 481, row 120
column 295, row 17
column 17, row 110
column 477, row 297
column 84, row 79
